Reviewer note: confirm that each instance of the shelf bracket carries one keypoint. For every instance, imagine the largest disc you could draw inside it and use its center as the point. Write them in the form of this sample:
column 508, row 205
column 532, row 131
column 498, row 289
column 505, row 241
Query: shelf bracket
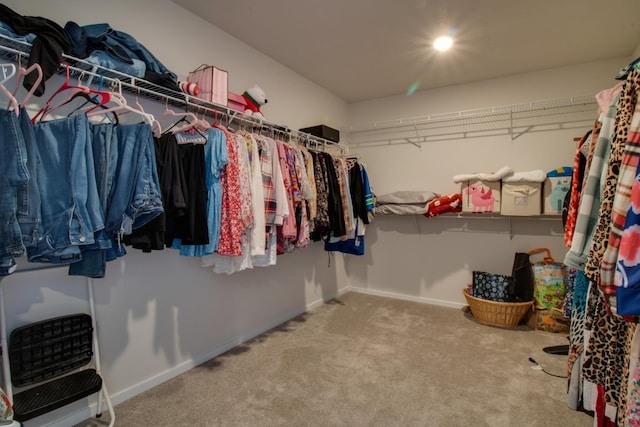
column 417, row 144
column 515, row 136
column 510, row 229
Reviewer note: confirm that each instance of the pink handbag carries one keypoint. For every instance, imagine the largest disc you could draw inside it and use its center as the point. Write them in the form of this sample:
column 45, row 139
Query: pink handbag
column 212, row 82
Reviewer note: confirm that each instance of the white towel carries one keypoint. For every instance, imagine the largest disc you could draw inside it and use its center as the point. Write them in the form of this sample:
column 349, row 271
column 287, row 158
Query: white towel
column 496, row 176
column 528, row 176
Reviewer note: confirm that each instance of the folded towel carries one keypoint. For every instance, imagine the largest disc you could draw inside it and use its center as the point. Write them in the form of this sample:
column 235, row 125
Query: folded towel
column 496, row 176
column 528, row 176
column 406, row 197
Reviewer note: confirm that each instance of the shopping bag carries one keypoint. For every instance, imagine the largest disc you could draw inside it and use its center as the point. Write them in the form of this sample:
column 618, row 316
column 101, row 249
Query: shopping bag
column 546, row 280
column 212, row 82
column 550, row 280
column 522, row 273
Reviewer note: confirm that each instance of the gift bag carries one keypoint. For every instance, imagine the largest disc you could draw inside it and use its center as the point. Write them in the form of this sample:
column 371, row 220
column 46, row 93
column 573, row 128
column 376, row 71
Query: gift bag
column 490, row 286
column 212, row 82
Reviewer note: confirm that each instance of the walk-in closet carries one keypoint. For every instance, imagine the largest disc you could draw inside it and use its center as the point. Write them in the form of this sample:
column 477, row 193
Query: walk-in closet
column 262, row 213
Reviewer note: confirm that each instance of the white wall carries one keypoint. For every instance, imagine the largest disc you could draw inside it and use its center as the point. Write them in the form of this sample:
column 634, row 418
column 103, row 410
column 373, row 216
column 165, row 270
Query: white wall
column 432, row 259
column 183, row 41
column 160, row 314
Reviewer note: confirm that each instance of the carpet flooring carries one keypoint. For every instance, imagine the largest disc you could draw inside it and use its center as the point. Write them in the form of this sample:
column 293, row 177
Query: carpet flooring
column 363, row 360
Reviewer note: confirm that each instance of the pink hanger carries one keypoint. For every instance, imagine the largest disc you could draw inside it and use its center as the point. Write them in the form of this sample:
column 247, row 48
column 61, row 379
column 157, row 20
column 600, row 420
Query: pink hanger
column 23, row 72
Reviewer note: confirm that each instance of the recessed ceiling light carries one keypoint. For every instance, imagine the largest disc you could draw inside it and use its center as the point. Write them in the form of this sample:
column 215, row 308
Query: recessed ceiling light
column 443, row 43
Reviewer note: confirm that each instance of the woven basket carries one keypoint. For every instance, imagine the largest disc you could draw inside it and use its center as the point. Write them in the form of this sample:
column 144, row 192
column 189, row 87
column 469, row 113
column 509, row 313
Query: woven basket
column 503, row 314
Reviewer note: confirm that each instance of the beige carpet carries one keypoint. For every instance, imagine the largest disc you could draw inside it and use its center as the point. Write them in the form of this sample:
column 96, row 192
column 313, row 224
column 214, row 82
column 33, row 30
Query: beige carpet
column 362, row 360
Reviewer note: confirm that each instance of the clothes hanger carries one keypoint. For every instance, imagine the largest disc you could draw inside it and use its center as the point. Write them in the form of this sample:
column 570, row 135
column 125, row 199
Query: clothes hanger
column 95, row 99
column 186, row 116
column 8, row 71
column 105, row 96
column 20, row 73
column 203, row 123
column 155, row 127
column 120, row 106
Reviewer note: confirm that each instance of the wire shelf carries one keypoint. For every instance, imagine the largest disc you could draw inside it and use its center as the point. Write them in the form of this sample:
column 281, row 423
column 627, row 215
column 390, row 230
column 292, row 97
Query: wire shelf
column 513, row 120
column 17, row 51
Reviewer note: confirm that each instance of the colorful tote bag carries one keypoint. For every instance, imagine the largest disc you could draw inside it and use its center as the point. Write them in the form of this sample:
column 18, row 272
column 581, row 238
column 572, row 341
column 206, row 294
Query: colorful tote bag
column 550, row 280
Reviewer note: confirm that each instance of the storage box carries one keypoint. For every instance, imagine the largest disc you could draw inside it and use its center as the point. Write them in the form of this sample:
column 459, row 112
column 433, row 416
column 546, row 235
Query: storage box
column 521, row 198
column 481, row 196
column 556, row 187
column 322, row 131
column 236, row 102
column 212, row 82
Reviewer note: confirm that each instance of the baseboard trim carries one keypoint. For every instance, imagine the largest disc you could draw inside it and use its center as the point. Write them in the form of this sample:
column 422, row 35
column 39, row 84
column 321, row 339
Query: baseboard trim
column 126, row 394
column 394, row 295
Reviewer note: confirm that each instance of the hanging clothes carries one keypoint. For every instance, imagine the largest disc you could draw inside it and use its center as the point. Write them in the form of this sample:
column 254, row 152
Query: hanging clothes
column 215, row 160
column 15, row 179
column 230, row 239
column 577, row 181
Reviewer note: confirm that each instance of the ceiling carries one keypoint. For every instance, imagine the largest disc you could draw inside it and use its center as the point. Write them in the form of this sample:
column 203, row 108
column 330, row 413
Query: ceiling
column 365, row 49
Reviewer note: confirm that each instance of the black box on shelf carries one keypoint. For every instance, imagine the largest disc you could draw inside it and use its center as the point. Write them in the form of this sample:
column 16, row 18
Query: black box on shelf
column 322, row 131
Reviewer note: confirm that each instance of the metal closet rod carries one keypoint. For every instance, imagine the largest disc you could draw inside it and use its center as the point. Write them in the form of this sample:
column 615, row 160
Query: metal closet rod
column 19, row 52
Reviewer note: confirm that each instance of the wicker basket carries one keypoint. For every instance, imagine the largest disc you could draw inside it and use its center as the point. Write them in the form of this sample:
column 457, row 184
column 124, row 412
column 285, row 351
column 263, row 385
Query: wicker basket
column 503, row 314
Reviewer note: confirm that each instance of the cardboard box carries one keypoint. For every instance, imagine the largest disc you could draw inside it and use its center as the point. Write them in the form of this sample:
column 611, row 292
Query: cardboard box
column 322, row 131
column 521, row 198
column 236, row 102
column 556, row 187
column 481, row 196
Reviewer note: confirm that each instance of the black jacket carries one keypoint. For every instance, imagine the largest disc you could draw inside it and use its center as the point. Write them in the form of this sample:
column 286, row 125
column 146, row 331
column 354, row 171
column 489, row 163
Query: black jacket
column 47, row 48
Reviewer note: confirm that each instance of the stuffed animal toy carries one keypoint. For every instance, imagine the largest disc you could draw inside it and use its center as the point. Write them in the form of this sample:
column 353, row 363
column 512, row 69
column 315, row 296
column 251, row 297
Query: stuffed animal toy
column 254, row 97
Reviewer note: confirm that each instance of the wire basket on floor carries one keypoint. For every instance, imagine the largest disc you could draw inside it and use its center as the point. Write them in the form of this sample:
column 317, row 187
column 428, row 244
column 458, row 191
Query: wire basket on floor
column 503, row 314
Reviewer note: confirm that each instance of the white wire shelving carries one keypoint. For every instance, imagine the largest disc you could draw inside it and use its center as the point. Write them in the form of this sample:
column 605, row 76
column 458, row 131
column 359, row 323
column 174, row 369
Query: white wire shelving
column 17, row 51
column 511, row 120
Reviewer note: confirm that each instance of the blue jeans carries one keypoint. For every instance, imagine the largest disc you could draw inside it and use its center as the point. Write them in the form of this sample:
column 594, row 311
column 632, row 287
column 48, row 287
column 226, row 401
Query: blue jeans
column 123, row 47
column 29, row 217
column 104, row 146
column 70, row 203
column 135, row 197
column 103, row 59
column 14, row 176
column 7, row 31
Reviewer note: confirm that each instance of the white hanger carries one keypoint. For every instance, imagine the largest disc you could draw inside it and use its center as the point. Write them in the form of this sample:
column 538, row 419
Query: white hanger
column 121, row 105
column 8, row 71
column 156, row 128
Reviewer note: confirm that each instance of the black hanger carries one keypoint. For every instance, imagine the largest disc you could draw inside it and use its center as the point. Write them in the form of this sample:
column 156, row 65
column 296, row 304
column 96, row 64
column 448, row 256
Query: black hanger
column 91, row 99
